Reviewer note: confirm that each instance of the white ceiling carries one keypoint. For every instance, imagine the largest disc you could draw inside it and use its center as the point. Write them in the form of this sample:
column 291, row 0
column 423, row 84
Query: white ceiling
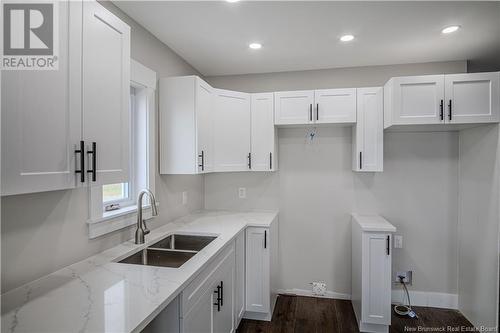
column 214, row 36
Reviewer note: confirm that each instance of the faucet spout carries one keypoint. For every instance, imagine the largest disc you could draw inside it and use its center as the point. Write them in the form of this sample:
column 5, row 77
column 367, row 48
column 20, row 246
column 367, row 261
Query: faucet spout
column 142, row 229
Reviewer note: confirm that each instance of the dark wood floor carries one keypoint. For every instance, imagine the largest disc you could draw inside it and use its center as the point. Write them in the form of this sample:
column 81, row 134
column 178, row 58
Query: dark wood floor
column 308, row 314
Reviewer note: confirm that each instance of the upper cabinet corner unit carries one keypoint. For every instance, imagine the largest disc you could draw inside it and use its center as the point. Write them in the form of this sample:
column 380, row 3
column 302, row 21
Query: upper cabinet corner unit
column 442, row 99
column 73, row 131
column 324, row 106
column 204, row 129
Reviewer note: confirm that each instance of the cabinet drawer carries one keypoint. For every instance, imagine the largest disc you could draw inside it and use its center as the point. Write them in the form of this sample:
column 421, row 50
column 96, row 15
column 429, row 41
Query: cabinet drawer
column 192, row 293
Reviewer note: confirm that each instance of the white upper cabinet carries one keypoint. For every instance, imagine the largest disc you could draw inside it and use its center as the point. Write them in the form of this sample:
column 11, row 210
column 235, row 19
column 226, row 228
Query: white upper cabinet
column 41, row 117
column 334, row 106
column 293, row 107
column 231, row 131
column 106, row 91
column 263, row 136
column 472, row 98
column 442, row 99
column 186, row 125
column 414, row 100
column 368, row 133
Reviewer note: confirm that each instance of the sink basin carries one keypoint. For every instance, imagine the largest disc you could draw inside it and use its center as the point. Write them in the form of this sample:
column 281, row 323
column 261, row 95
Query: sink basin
column 163, row 258
column 183, row 242
column 172, row 251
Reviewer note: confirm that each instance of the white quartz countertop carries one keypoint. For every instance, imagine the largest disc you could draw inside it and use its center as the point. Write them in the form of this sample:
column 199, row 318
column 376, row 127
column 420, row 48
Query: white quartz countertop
column 373, row 223
column 100, row 295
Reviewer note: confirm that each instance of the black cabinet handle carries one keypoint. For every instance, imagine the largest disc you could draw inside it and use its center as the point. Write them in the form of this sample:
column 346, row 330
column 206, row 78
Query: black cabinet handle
column 265, row 239
column 82, row 161
column 388, row 245
column 310, row 112
column 449, row 110
column 270, row 161
column 441, row 108
column 218, row 298
column 250, row 160
column 222, row 293
column 317, row 111
column 360, row 160
column 202, row 156
column 93, row 171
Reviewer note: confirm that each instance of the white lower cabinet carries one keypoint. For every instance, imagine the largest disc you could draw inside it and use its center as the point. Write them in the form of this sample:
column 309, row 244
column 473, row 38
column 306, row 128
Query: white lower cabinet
column 239, row 288
column 208, row 301
column 371, row 272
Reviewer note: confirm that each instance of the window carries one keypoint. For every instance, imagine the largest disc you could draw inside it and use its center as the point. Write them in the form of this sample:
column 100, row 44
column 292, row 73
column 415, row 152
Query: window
column 113, row 206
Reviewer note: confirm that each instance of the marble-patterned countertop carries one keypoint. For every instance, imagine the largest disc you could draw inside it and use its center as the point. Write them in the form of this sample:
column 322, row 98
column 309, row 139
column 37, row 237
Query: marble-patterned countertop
column 100, row 295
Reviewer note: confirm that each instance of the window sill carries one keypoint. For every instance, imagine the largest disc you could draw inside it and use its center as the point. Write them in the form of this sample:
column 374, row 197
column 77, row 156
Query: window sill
column 116, row 220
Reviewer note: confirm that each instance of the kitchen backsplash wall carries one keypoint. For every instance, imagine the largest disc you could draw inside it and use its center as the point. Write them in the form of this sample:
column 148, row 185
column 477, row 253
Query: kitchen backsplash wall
column 44, row 232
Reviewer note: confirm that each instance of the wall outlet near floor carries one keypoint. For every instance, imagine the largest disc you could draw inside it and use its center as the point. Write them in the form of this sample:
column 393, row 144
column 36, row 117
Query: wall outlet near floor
column 184, row 198
column 319, row 288
column 242, row 192
column 408, row 277
column 398, row 241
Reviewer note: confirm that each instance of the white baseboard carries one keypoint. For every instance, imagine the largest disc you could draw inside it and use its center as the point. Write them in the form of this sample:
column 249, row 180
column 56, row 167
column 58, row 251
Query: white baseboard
column 422, row 298
column 418, row 298
column 303, row 292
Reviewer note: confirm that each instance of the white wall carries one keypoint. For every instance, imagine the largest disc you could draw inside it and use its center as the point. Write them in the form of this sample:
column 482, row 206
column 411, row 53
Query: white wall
column 315, row 189
column 44, row 232
column 479, row 225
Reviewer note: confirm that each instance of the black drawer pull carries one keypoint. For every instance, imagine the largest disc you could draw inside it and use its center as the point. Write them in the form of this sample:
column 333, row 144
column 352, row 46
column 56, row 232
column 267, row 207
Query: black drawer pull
column 388, row 245
column 82, row 161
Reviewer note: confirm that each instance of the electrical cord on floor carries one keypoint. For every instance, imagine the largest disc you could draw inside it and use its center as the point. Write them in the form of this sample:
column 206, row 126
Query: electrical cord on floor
column 405, row 310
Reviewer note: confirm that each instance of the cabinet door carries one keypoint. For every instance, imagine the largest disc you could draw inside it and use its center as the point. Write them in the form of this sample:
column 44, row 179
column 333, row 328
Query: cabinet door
column 106, row 92
column 263, row 135
column 376, row 275
column 223, row 320
column 335, row 106
column 257, row 294
column 293, row 107
column 204, row 125
column 472, row 98
column 418, row 99
column 41, row 117
column 199, row 318
column 368, row 133
column 239, row 288
column 231, row 131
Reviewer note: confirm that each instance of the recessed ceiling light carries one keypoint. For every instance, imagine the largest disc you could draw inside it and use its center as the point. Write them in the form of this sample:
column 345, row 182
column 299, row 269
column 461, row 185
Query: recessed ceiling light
column 255, row 46
column 347, row 38
column 450, row 29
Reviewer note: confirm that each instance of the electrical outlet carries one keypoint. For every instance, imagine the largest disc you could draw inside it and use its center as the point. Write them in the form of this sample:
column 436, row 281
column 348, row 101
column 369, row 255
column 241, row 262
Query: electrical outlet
column 398, row 241
column 242, row 192
column 319, row 288
column 408, row 277
column 184, row 198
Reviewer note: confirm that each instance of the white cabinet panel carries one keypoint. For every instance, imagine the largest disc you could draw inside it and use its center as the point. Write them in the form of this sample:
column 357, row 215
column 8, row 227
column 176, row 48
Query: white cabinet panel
column 472, row 98
column 223, row 320
column 368, row 140
column 41, row 117
column 106, row 86
column 263, row 136
column 199, row 318
column 415, row 100
column 335, row 106
column 239, row 290
column 376, row 260
column 231, row 131
column 257, row 270
column 293, row 107
column 204, row 124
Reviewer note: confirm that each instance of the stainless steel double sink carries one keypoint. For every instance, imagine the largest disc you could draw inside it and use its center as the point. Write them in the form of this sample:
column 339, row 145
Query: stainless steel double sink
column 172, row 251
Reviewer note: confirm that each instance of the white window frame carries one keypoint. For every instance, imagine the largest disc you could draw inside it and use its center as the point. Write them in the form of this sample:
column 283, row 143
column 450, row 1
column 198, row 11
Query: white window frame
column 101, row 222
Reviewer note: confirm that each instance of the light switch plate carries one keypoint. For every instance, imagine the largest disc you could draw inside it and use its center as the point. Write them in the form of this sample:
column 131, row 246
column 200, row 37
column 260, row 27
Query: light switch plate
column 398, row 241
column 242, row 192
